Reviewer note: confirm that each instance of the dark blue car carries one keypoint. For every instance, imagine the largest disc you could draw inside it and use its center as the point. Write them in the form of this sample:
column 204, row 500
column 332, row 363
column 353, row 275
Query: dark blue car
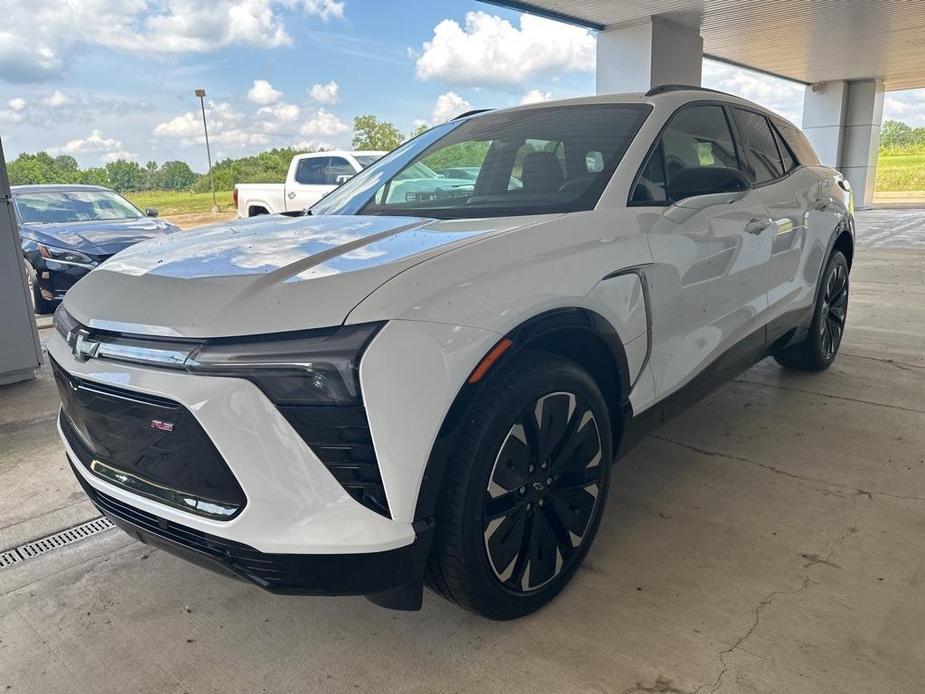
column 67, row 230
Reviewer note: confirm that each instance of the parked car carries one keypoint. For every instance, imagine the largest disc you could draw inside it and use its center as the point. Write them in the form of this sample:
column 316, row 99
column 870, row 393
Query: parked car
column 389, row 389
column 311, row 176
column 67, row 230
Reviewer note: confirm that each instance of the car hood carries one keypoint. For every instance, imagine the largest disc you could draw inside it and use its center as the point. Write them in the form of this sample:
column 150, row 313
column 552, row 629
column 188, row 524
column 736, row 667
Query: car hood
column 101, row 237
column 263, row 275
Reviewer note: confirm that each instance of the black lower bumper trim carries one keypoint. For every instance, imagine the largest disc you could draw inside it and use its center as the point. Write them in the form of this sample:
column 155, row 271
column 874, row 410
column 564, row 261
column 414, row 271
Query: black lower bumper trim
column 289, row 574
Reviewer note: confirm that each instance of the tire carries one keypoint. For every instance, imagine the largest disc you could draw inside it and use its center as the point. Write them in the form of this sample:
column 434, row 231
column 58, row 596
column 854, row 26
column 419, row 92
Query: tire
column 818, row 349
column 524, row 489
column 40, row 305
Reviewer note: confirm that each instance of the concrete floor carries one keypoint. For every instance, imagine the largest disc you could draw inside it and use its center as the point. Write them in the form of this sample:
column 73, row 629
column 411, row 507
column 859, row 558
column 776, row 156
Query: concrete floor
column 769, row 540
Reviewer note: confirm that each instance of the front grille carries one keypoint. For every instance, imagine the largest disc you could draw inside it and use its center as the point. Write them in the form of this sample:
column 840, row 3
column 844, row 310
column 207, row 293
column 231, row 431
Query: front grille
column 340, row 437
column 148, row 445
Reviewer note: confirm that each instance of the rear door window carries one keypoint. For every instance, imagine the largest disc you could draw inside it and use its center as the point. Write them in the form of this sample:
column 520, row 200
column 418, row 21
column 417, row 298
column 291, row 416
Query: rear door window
column 762, row 159
column 311, row 171
column 799, row 145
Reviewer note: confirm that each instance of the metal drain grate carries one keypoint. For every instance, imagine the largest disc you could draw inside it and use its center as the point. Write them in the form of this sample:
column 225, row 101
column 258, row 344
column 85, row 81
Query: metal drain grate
column 56, row 541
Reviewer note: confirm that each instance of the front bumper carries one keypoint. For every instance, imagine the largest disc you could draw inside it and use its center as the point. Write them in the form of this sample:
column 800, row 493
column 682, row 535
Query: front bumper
column 291, row 574
column 55, row 279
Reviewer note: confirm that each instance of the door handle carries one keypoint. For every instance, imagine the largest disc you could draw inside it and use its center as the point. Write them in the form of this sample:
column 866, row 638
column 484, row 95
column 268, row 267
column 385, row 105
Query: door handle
column 757, row 225
column 822, row 204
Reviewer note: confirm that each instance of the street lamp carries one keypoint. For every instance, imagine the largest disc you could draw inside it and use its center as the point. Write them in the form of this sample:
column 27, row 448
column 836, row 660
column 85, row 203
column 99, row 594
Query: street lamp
column 201, row 93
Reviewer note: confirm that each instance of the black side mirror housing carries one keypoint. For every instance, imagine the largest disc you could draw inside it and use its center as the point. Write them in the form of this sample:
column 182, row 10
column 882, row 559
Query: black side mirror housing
column 151, row 212
column 707, row 180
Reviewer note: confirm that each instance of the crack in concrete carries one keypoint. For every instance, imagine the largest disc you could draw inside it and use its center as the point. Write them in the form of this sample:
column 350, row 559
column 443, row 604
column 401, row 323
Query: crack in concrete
column 905, row 366
column 854, row 491
column 766, row 601
column 833, row 397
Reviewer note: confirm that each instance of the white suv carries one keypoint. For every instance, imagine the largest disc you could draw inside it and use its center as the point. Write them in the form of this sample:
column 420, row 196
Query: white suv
column 419, row 382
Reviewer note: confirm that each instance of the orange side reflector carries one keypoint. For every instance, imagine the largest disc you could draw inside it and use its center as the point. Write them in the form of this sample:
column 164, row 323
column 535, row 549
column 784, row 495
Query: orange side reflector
column 489, row 359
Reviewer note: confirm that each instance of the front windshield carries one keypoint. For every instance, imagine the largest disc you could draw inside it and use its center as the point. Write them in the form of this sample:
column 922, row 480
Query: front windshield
column 61, row 206
column 541, row 160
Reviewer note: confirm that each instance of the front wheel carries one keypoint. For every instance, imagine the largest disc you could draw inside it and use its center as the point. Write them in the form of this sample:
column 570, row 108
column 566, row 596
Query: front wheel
column 524, row 490
column 817, row 351
column 40, row 305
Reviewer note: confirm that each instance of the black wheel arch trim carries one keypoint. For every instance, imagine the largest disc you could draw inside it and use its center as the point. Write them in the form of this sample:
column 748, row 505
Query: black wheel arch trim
column 528, row 334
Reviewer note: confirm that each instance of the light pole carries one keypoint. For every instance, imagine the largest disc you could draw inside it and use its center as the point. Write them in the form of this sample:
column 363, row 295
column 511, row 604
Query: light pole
column 201, row 93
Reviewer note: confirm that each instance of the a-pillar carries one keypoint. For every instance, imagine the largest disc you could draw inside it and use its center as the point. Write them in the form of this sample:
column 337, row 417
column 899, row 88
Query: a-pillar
column 646, row 54
column 842, row 121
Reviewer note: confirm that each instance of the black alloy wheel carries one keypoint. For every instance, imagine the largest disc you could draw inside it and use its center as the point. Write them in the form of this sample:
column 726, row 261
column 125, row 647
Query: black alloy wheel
column 834, row 311
column 542, row 492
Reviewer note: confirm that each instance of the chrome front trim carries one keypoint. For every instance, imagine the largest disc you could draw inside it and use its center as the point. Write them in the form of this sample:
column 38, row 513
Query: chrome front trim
column 165, row 495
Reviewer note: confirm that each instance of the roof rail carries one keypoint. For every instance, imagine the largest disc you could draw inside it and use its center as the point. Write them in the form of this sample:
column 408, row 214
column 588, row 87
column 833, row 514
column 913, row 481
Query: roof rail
column 473, row 112
column 664, row 88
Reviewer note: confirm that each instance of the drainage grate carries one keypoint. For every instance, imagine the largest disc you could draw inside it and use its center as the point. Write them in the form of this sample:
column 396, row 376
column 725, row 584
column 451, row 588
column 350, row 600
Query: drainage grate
column 56, row 541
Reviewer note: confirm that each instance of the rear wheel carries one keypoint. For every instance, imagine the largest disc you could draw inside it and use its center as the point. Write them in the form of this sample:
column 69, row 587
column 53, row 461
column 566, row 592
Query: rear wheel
column 524, row 490
column 817, row 351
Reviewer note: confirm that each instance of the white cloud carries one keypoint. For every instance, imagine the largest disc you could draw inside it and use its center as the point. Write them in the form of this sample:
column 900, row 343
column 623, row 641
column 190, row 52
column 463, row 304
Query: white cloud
column 118, row 155
column 312, row 145
column 94, row 142
column 535, row 96
column 907, row 106
column 777, row 94
column 448, row 106
column 326, row 9
column 327, row 94
column 324, row 124
column 57, row 99
column 39, row 38
column 263, row 93
column 489, row 50
column 280, row 112
column 17, row 104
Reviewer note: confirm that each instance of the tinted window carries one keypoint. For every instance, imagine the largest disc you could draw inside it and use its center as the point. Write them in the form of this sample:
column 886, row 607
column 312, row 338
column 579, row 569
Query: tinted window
column 786, row 157
column 311, row 171
column 524, row 162
column 762, row 160
column 337, row 169
column 650, row 186
column 697, row 136
column 799, row 145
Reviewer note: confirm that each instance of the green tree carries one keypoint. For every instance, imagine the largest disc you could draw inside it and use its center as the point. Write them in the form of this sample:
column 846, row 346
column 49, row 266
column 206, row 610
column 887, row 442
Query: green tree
column 125, row 175
column 372, row 134
column 95, row 176
column 896, row 135
column 175, row 175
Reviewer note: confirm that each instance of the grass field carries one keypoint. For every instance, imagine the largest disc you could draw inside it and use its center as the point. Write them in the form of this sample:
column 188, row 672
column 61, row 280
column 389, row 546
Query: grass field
column 900, row 172
column 170, row 202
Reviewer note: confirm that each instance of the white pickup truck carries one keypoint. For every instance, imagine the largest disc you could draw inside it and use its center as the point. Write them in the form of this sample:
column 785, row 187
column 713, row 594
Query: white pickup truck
column 311, row 177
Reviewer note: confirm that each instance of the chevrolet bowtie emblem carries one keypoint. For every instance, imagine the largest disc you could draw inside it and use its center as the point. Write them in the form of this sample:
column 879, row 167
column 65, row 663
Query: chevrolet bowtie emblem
column 82, row 347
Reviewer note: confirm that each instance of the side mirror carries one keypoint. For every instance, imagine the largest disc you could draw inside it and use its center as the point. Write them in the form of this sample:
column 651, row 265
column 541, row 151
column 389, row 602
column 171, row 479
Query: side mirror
column 699, row 187
column 151, row 212
column 707, row 180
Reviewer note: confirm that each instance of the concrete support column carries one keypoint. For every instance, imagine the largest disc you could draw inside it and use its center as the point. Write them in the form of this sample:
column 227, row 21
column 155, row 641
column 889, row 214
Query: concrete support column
column 842, row 120
column 638, row 57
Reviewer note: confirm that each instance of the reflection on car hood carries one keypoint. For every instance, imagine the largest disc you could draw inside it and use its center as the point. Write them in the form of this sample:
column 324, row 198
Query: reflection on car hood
column 103, row 237
column 263, row 275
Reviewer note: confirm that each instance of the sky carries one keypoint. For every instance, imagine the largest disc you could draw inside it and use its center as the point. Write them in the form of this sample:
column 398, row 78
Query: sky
column 108, row 79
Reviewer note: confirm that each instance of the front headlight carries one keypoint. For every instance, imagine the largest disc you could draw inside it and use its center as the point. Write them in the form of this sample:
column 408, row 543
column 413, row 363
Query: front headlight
column 310, row 367
column 64, row 255
column 316, row 367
